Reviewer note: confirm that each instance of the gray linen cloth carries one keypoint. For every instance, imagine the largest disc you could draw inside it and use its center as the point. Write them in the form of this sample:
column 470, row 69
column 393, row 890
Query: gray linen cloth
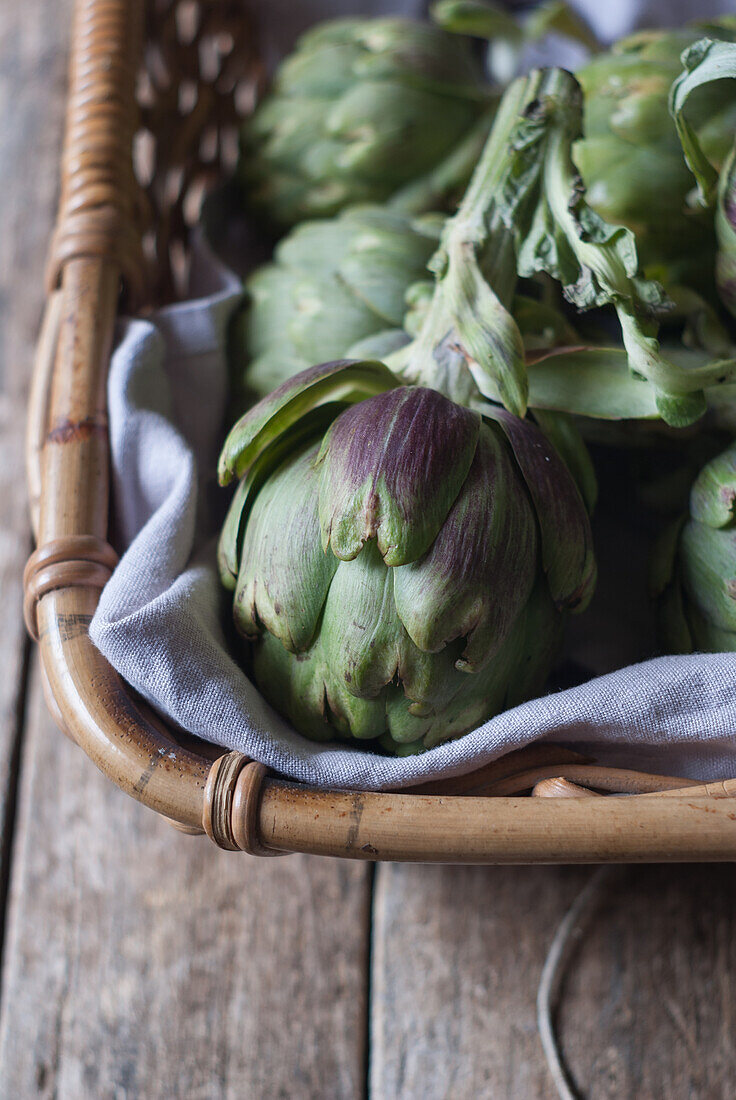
column 160, row 621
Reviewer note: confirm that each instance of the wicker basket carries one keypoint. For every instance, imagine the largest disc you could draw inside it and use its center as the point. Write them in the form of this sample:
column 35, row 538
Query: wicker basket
column 170, row 81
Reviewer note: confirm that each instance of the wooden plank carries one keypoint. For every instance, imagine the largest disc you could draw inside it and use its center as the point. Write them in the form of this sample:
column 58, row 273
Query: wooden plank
column 647, row 1011
column 456, row 954
column 649, row 1002
column 144, row 963
column 32, row 70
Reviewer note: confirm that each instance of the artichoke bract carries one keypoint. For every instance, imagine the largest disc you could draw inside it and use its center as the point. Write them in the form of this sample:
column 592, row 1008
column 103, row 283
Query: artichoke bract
column 694, row 571
column 398, row 561
column 362, row 107
column 333, row 284
column 631, row 158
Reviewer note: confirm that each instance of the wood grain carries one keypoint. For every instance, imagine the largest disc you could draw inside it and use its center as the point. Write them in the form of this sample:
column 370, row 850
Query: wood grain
column 647, row 1011
column 144, row 963
column 648, row 1008
column 32, row 78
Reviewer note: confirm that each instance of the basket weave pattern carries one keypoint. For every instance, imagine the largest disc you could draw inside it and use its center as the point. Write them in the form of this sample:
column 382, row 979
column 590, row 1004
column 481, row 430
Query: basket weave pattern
column 155, row 96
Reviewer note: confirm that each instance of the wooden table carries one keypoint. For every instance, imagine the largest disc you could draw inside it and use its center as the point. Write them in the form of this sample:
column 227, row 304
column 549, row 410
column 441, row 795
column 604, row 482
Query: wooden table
column 139, row 963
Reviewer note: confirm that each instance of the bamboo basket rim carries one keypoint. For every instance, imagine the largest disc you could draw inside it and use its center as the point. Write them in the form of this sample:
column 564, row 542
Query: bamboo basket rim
column 480, row 818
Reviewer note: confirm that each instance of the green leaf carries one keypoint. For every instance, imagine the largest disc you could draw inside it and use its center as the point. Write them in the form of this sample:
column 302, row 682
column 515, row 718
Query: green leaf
column 704, row 62
column 468, row 341
column 284, row 574
column 484, row 330
column 567, row 540
column 330, row 385
column 590, row 381
column 708, row 563
column 477, row 18
column 478, row 573
column 559, row 233
column 557, row 17
column 230, row 541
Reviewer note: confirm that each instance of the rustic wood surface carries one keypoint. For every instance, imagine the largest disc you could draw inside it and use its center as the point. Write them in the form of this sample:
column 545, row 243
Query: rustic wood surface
column 138, row 963
column 32, row 80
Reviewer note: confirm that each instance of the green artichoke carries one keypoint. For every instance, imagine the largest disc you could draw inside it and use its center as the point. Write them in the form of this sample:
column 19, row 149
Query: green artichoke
column 335, row 288
column 362, row 107
column 694, row 571
column 398, row 561
column 631, row 158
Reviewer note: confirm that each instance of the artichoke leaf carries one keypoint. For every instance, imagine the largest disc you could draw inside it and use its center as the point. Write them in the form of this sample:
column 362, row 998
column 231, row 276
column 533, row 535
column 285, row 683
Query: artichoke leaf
column 708, row 564
column 295, row 686
column 391, row 469
column 269, row 459
column 536, row 643
column 342, row 381
column 284, row 575
column 597, row 264
column 230, row 540
column 590, row 381
column 704, row 62
column 713, row 495
column 381, row 345
column 327, row 319
column 567, row 540
column 564, row 436
column 707, row 636
column 367, row 646
column 477, row 574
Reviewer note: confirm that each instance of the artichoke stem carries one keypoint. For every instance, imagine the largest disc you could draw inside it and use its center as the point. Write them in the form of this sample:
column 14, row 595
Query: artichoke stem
column 469, row 342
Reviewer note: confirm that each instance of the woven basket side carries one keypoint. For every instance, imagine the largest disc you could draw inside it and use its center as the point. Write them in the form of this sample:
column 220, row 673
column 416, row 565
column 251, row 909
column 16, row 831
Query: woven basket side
column 100, row 209
column 96, row 244
column 199, row 77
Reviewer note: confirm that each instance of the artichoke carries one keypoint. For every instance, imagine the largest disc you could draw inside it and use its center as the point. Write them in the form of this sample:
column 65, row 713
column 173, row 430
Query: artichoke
column 362, row 107
column 333, row 284
column 631, row 158
column 694, row 574
column 398, row 561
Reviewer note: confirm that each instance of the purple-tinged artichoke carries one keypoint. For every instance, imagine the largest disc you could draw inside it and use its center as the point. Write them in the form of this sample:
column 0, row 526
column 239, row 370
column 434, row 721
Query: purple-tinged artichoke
column 694, row 566
column 398, row 561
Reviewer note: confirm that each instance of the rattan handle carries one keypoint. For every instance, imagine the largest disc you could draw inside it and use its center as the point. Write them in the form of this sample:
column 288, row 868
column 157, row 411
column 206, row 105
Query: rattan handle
column 97, row 241
column 101, row 202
